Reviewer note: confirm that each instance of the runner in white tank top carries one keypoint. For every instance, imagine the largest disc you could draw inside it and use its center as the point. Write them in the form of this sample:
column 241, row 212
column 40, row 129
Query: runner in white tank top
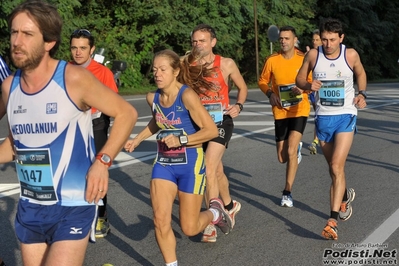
column 51, row 140
column 333, row 66
column 337, row 93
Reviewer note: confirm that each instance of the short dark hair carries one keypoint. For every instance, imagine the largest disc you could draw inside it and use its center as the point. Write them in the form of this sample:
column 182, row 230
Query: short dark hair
column 288, row 28
column 204, row 27
column 47, row 18
column 316, row 32
column 82, row 33
column 331, row 25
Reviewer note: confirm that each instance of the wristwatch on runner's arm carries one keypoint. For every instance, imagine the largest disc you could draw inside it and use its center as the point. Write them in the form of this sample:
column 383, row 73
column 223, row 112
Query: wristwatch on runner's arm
column 183, row 140
column 104, row 158
column 269, row 93
column 240, row 106
column 363, row 93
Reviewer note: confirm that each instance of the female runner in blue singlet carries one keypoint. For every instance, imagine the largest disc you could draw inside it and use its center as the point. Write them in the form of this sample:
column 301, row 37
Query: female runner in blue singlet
column 182, row 124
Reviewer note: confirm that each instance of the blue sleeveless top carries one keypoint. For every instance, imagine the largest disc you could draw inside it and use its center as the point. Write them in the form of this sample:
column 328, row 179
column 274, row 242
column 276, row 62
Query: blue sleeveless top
column 175, row 116
column 54, row 142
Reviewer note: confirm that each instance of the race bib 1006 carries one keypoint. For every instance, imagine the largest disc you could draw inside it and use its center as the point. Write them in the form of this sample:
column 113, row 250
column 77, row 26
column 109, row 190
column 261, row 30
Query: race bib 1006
column 332, row 93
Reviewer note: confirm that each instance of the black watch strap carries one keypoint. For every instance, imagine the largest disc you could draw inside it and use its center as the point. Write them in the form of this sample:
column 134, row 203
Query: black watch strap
column 269, row 93
column 241, row 106
column 363, row 93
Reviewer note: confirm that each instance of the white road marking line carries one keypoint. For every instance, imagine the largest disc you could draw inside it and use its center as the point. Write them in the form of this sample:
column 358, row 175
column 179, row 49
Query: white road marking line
column 385, row 230
column 376, row 238
column 8, row 189
column 380, row 235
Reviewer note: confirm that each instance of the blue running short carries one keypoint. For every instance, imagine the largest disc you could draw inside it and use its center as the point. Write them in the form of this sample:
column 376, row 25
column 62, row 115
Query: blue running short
column 190, row 177
column 327, row 126
column 35, row 223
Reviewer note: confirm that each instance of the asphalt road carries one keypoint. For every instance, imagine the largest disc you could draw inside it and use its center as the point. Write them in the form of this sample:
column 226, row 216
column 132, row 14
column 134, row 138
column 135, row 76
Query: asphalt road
column 265, row 233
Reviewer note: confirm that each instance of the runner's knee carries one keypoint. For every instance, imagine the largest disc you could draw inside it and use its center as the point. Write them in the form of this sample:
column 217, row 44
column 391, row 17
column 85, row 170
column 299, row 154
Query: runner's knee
column 162, row 221
column 190, row 228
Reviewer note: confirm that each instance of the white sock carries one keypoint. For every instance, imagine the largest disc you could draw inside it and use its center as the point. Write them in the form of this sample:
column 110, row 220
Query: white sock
column 215, row 214
column 172, row 263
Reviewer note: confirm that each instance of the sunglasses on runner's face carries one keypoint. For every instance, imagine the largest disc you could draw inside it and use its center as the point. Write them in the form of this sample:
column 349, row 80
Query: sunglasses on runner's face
column 81, row 32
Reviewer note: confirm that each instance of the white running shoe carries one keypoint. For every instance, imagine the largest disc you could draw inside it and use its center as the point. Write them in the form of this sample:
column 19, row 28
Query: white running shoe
column 299, row 152
column 234, row 211
column 224, row 222
column 210, row 234
column 345, row 211
column 287, row 201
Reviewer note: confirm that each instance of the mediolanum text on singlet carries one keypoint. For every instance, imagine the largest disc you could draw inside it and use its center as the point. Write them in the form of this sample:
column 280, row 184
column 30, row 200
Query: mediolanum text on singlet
column 34, row 128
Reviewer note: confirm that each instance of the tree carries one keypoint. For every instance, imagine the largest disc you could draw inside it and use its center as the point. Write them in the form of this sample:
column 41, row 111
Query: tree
column 133, row 30
column 373, row 38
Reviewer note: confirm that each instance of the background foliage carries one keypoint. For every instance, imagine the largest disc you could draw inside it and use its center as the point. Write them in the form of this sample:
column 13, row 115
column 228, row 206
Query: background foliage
column 132, row 30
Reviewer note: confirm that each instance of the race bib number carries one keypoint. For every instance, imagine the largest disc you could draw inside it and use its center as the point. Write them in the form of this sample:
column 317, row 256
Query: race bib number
column 216, row 112
column 167, row 155
column 35, row 175
column 332, row 93
column 287, row 97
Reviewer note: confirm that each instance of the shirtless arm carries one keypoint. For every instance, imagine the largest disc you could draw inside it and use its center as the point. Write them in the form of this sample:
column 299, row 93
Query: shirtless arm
column 361, row 77
column 302, row 77
column 2, row 108
column 87, row 91
column 6, row 150
column 148, row 131
column 237, row 78
column 230, row 67
column 207, row 128
column 354, row 61
column 201, row 117
column 6, row 147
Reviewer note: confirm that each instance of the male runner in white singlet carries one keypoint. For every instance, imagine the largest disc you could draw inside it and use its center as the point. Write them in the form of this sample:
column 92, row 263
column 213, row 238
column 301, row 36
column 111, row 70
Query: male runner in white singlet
column 51, row 138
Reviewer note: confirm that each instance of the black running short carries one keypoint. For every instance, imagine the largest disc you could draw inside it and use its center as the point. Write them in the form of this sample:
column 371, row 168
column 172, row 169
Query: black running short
column 225, row 132
column 282, row 127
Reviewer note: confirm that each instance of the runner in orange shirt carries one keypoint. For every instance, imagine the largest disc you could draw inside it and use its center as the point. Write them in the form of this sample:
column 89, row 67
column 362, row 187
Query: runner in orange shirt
column 290, row 105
